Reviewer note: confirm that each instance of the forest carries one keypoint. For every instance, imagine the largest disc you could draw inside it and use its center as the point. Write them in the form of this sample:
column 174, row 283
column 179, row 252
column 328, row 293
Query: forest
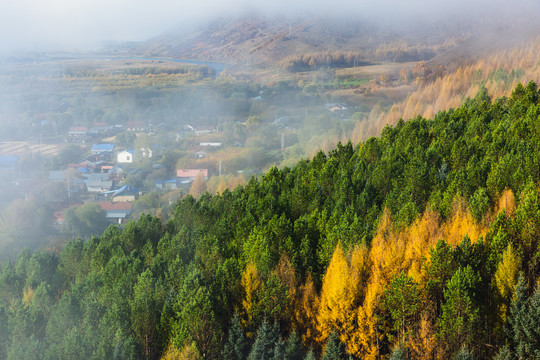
column 421, row 243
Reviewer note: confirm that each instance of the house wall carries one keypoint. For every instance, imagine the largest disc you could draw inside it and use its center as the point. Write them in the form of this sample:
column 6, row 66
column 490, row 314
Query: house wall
column 124, row 157
column 124, row 198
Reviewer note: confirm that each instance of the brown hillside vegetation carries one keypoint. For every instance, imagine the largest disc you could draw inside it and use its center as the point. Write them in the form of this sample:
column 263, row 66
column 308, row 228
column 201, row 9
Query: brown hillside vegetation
column 298, row 43
column 498, row 73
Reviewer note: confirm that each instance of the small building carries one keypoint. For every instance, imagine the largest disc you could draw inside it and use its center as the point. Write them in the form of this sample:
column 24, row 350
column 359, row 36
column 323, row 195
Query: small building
column 201, row 130
column 135, row 126
column 98, row 182
column 102, row 148
column 117, row 212
column 77, row 132
column 186, row 176
column 102, row 152
column 125, row 156
column 166, row 184
column 124, row 194
column 210, row 144
column 100, row 128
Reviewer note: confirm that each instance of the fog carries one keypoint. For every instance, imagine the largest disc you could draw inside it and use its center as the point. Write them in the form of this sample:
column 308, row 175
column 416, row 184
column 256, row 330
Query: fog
column 82, row 24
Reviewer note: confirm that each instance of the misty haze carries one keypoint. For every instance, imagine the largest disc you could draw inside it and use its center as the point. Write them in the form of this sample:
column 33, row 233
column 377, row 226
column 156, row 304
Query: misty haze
column 271, row 180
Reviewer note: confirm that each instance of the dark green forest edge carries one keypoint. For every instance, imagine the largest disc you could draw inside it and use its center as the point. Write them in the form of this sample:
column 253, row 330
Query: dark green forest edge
column 251, row 273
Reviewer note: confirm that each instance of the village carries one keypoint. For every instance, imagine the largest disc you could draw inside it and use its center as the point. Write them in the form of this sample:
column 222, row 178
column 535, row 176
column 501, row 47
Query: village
column 105, row 173
column 137, row 167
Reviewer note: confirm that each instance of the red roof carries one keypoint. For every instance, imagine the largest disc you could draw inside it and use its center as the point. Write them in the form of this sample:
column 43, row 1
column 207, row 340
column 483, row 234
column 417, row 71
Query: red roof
column 107, row 206
column 191, row 173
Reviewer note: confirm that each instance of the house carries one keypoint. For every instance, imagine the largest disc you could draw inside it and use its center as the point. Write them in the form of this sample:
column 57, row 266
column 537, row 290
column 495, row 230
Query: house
column 117, row 212
column 201, row 130
column 210, row 144
column 98, row 182
column 186, row 176
column 135, row 126
column 125, row 156
column 100, row 128
column 166, row 184
column 124, row 194
column 102, row 151
column 198, row 154
column 116, row 174
column 77, row 132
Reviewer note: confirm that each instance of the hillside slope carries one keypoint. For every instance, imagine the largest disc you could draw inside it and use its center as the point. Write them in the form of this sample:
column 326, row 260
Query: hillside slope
column 412, row 241
column 258, row 39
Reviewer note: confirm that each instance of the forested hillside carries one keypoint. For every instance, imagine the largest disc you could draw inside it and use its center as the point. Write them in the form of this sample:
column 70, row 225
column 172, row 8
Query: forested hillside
column 422, row 243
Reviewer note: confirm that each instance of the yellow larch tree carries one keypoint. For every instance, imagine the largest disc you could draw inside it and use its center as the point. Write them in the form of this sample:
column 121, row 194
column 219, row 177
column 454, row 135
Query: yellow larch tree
column 507, row 202
column 462, row 223
column 251, row 283
column 506, row 278
column 198, row 186
column 365, row 341
column 386, row 258
column 336, row 306
column 360, row 271
column 421, row 236
column 305, row 312
column 286, row 274
column 423, row 343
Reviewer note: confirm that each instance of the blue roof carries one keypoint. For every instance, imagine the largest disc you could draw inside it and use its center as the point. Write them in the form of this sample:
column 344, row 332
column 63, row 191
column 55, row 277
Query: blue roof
column 173, row 181
column 126, row 188
column 103, row 147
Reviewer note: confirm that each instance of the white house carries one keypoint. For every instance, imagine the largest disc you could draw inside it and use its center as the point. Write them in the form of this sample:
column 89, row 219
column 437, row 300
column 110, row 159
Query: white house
column 125, row 157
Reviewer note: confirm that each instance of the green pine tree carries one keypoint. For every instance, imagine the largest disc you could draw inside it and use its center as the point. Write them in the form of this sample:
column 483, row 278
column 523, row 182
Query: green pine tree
column 334, row 348
column 293, row 349
column 464, row 354
column 279, row 350
column 263, row 347
column 236, row 346
column 504, row 354
column 398, row 354
column 310, row 355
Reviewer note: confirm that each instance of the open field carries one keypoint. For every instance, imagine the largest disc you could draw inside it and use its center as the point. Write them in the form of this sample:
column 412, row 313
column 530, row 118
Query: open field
column 21, row 148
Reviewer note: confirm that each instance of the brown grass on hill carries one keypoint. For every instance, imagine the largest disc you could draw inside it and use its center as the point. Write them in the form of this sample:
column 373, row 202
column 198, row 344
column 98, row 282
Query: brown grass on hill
column 499, row 73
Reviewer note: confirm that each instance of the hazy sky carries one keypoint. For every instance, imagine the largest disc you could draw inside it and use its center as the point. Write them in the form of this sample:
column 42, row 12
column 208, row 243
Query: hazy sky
column 39, row 24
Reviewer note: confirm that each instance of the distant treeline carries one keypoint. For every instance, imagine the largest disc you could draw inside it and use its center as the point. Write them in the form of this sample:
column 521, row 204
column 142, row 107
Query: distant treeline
column 311, row 61
column 183, row 69
column 203, row 70
column 340, row 59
